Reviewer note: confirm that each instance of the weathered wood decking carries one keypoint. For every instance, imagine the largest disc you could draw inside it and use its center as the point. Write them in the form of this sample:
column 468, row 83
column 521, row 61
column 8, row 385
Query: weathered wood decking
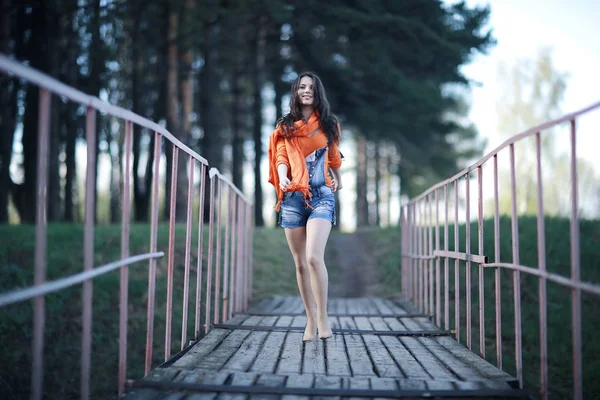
column 379, row 350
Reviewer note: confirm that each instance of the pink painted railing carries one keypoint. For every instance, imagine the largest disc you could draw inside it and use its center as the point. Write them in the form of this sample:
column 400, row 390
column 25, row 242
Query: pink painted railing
column 232, row 275
column 426, row 264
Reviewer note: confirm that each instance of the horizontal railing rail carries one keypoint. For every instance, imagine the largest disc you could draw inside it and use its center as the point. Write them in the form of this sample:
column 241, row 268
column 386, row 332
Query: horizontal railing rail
column 235, row 246
column 427, row 252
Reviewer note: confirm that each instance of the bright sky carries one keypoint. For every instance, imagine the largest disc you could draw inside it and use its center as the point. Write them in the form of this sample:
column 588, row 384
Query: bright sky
column 521, row 27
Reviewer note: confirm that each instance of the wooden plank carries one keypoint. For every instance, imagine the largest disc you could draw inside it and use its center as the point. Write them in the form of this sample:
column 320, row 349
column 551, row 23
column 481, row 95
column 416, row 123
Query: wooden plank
column 440, row 385
column 410, row 384
column 352, row 306
column 409, row 366
column 384, row 308
column 211, row 378
column 461, row 369
column 298, row 381
column 357, row 383
column 383, row 384
column 327, row 382
column 246, row 354
column 239, row 379
column 360, row 362
column 385, row 366
column 369, row 306
column 268, row 356
column 459, row 351
column 430, row 363
column 314, row 357
column 274, row 381
column 290, row 359
column 265, row 304
column 142, row 394
column 206, row 345
column 284, row 306
column 221, row 354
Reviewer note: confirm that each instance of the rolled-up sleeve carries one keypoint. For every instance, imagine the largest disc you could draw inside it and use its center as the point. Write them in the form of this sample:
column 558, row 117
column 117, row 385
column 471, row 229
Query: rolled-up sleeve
column 282, row 155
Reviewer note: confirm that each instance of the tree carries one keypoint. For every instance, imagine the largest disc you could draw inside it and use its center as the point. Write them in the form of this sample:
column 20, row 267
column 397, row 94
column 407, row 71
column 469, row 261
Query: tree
column 532, row 93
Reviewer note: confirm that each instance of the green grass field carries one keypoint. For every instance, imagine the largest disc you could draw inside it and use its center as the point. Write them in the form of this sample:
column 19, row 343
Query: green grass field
column 273, row 274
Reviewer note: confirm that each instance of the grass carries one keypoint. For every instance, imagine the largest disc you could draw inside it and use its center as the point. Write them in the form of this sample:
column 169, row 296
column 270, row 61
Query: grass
column 273, row 275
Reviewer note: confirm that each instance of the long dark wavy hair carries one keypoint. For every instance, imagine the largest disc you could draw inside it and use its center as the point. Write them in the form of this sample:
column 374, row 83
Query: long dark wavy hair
column 328, row 122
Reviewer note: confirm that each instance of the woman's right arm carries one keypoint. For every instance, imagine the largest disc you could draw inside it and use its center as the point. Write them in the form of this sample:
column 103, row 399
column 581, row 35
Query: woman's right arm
column 283, row 164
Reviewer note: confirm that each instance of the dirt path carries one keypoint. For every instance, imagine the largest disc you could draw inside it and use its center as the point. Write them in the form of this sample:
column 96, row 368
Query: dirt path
column 352, row 269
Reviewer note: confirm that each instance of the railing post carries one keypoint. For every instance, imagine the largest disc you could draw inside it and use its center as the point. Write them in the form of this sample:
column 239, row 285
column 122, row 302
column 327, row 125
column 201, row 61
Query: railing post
column 497, row 272
column 516, row 274
column 123, row 302
column 41, row 240
column 153, row 247
column 481, row 272
column 187, row 258
column 200, row 263
column 209, row 263
column 541, row 244
column 575, row 275
column 171, row 259
column 90, row 217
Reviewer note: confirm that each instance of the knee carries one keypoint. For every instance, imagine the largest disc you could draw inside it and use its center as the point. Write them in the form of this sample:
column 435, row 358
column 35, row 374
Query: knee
column 314, row 262
column 301, row 267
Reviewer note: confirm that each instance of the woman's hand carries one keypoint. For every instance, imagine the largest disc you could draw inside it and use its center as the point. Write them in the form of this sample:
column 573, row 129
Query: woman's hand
column 336, row 184
column 336, row 180
column 284, row 182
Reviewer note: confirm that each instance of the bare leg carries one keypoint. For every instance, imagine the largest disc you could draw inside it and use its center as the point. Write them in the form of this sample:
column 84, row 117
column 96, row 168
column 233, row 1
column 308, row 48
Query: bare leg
column 296, row 239
column 317, row 233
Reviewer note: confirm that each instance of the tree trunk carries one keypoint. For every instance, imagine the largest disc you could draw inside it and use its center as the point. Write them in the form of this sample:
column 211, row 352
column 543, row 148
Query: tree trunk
column 8, row 91
column 96, row 70
column 257, row 112
column 69, row 124
column 377, row 187
column 55, row 57
column 186, row 108
column 212, row 144
column 236, row 125
column 25, row 195
column 362, row 207
column 115, row 177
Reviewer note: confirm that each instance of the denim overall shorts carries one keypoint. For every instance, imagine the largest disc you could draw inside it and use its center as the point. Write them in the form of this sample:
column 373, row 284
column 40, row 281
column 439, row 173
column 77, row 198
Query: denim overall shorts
column 295, row 213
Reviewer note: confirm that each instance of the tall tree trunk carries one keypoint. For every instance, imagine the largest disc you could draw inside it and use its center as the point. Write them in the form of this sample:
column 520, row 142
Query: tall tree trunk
column 140, row 191
column 115, row 176
column 236, row 125
column 69, row 124
column 56, row 55
column 386, row 169
column 212, row 144
column 362, row 207
column 260, row 42
column 377, row 164
column 186, row 107
column 96, row 70
column 8, row 98
column 25, row 195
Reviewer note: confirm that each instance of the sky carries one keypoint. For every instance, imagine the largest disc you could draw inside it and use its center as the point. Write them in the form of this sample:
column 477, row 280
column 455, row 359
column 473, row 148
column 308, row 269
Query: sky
column 521, row 27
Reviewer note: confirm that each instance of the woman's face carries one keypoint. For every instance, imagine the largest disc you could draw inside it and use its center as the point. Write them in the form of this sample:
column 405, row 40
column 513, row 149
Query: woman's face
column 306, row 91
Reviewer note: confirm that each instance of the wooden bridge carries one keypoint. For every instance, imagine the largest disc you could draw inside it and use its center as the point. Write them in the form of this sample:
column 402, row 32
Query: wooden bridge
column 381, row 348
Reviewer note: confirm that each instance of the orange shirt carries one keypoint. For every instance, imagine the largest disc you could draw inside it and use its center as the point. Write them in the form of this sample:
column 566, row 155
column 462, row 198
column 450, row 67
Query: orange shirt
column 308, row 145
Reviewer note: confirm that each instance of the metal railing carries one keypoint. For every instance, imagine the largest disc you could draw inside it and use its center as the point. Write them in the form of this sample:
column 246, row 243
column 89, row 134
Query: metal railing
column 426, row 262
column 235, row 245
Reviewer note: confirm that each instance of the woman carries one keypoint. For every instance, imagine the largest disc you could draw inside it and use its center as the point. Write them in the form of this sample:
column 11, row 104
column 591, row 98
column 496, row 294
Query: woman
column 303, row 148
